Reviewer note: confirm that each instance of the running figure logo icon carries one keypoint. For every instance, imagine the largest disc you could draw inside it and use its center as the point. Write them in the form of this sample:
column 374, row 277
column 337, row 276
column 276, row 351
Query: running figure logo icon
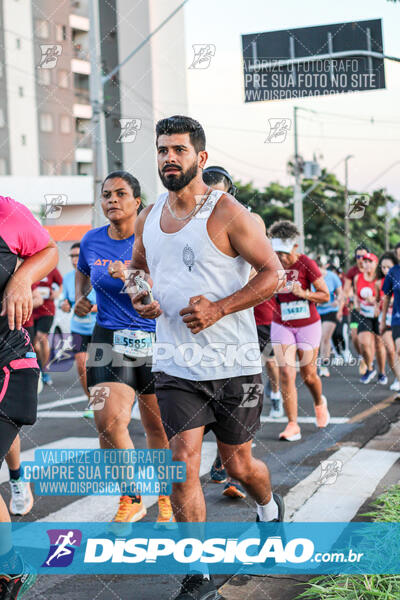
column 252, row 394
column 188, row 257
column 330, row 470
column 63, row 543
column 357, row 205
column 203, row 54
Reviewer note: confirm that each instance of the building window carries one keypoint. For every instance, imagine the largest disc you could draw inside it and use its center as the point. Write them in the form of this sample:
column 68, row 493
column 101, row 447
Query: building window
column 63, row 78
column 42, row 29
column 23, row 139
column 21, row 91
column 65, row 124
column 48, row 167
column 3, row 166
column 46, row 122
column 2, row 119
column 61, row 33
column 44, row 76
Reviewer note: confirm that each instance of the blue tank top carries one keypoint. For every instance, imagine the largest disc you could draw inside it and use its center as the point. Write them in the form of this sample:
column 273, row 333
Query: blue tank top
column 115, row 310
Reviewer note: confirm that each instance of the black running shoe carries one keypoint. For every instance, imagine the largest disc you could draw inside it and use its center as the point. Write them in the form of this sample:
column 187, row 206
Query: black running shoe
column 281, row 509
column 13, row 587
column 197, row 587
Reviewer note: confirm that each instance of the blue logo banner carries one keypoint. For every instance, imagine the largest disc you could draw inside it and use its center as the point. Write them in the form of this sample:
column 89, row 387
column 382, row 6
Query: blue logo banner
column 249, row 548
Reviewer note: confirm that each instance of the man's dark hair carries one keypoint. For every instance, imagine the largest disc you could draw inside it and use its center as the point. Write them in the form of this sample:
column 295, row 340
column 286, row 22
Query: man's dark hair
column 128, row 177
column 361, row 247
column 213, row 175
column 397, row 246
column 386, row 255
column 75, row 245
column 284, row 230
column 181, row 124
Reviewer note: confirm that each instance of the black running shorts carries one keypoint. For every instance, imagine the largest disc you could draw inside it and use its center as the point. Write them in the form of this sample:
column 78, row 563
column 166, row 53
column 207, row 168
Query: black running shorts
column 395, row 332
column 368, row 324
column 18, row 401
column 43, row 324
column 231, row 408
column 133, row 372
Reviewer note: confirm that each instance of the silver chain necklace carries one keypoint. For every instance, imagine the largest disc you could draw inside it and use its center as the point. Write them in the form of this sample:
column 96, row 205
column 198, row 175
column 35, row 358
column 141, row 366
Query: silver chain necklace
column 193, row 211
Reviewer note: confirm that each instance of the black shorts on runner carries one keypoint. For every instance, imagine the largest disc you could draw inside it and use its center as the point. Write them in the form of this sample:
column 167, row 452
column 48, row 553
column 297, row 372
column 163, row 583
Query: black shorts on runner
column 264, row 340
column 330, row 316
column 231, row 408
column 43, row 324
column 18, row 403
column 368, row 324
column 395, row 332
column 133, row 372
column 81, row 342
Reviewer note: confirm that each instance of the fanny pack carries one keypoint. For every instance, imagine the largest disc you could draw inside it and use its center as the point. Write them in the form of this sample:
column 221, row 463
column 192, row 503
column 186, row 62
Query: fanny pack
column 21, row 409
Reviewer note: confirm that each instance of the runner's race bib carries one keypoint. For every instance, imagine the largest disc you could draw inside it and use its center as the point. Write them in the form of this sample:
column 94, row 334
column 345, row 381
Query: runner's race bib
column 44, row 291
column 135, row 344
column 367, row 310
column 299, row 309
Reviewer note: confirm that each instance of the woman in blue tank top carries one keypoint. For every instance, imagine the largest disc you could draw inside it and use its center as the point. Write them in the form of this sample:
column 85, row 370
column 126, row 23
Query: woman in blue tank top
column 119, row 355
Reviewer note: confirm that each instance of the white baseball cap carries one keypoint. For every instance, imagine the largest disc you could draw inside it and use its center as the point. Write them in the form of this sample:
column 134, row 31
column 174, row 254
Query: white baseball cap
column 280, row 245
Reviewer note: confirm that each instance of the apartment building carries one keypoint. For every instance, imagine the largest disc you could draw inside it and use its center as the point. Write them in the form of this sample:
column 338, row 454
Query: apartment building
column 45, row 109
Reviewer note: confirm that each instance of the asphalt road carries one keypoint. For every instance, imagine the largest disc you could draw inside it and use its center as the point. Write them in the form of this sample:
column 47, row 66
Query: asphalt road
column 360, row 412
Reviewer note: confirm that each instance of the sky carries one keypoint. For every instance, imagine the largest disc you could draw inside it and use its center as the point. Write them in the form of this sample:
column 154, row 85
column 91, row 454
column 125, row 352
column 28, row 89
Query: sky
column 236, row 132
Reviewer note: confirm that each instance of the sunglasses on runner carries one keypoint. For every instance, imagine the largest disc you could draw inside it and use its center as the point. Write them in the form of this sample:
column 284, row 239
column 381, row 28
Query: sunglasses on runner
column 74, row 255
column 358, row 256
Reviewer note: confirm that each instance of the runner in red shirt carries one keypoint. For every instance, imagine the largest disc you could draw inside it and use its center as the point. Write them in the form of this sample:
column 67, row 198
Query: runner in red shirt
column 296, row 326
column 43, row 316
column 349, row 293
column 367, row 303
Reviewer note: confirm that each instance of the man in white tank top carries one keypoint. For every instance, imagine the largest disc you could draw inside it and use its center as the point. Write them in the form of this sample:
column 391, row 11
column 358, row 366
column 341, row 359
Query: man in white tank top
column 198, row 247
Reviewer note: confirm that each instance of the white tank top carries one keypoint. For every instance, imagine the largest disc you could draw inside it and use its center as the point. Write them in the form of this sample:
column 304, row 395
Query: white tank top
column 185, row 264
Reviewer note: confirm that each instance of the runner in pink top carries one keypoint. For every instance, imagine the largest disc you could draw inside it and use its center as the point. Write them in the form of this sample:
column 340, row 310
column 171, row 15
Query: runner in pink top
column 296, row 326
column 20, row 236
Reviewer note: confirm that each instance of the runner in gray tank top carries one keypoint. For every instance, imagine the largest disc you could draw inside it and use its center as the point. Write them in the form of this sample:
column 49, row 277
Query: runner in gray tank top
column 198, row 246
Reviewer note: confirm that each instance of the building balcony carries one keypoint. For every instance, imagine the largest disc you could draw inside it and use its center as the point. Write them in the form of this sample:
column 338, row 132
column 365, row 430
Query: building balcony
column 79, row 23
column 83, row 139
column 83, row 155
column 82, row 111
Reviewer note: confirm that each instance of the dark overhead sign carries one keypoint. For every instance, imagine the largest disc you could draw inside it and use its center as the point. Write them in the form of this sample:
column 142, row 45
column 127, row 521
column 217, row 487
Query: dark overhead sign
column 311, row 61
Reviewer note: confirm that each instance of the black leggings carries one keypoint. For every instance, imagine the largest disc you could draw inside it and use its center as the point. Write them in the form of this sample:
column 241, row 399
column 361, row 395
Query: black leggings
column 8, row 433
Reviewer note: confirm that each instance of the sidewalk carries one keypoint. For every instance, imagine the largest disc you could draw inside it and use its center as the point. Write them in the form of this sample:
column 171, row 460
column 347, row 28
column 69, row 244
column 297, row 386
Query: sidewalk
column 289, row 587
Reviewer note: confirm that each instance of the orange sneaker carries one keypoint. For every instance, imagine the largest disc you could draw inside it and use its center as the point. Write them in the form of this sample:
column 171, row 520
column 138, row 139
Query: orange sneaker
column 165, row 517
column 292, row 432
column 322, row 416
column 129, row 511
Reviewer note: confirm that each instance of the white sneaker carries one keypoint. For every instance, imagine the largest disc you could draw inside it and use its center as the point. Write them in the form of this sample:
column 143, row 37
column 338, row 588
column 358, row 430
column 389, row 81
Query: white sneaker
column 276, row 411
column 324, row 372
column 21, row 497
column 347, row 356
column 395, row 387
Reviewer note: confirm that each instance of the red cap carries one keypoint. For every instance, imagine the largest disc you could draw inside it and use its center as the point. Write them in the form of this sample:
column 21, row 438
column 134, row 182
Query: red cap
column 371, row 256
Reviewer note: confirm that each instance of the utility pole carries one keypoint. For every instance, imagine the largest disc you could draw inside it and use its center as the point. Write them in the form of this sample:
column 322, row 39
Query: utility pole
column 387, row 221
column 297, row 194
column 346, row 212
column 98, row 130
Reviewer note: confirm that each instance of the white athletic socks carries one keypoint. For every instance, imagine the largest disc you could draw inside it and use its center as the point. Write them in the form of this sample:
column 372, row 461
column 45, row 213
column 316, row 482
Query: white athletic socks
column 275, row 395
column 268, row 512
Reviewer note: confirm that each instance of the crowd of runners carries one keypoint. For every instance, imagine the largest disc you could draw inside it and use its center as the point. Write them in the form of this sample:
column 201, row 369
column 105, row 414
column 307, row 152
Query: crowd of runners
column 211, row 278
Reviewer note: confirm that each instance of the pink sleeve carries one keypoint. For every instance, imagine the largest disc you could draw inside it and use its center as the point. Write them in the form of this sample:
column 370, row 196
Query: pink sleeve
column 23, row 234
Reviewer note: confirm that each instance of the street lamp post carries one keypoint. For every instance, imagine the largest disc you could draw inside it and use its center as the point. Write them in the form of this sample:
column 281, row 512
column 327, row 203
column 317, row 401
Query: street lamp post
column 346, row 211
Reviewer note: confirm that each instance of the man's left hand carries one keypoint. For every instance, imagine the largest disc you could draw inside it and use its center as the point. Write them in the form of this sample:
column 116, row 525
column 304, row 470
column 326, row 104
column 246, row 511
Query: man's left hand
column 201, row 313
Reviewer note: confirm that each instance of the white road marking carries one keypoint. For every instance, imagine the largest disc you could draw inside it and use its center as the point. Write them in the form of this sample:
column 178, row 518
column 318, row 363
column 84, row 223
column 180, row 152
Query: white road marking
column 64, row 402
column 340, row 501
column 88, row 443
column 333, row 421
